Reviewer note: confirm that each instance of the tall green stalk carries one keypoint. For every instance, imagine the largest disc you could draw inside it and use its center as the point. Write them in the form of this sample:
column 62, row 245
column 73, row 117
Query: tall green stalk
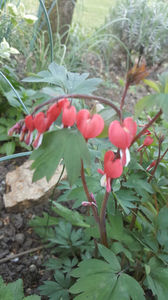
column 49, row 28
column 16, row 93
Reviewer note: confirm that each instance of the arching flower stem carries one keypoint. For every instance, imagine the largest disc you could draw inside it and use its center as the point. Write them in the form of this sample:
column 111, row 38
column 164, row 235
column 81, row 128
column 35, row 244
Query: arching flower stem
column 80, row 96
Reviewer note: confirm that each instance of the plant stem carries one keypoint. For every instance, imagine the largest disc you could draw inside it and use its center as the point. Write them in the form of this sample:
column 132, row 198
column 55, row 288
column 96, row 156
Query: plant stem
column 16, row 93
column 80, row 96
column 94, row 208
column 49, row 28
column 163, row 154
column 157, row 162
column 147, row 126
column 135, row 211
column 123, row 97
column 103, row 232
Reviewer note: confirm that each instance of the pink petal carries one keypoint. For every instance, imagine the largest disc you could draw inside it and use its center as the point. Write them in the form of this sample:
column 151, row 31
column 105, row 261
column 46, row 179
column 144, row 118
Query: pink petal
column 118, row 136
column 131, row 125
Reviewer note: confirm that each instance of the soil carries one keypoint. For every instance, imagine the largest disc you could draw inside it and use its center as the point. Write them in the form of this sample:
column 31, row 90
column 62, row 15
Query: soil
column 16, row 236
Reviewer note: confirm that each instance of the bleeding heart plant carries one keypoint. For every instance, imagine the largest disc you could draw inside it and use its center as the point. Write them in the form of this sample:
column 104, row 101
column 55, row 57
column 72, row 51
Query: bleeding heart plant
column 123, row 201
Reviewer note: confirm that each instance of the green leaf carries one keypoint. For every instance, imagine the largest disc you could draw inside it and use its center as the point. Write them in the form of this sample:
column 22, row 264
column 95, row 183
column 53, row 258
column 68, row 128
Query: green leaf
column 162, row 225
column 75, row 150
column 17, row 289
column 152, row 84
column 151, row 101
column 108, row 115
column 46, row 220
column 8, row 148
column 117, row 248
column 162, row 219
column 47, row 157
column 157, row 279
column 71, row 216
column 98, row 280
column 115, row 228
column 32, row 297
column 126, row 198
column 5, row 292
column 63, row 143
column 70, row 83
column 110, row 257
column 166, row 88
column 54, row 291
column 127, row 288
column 138, row 183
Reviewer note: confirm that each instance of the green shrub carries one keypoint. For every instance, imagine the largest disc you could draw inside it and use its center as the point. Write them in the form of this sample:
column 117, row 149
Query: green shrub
column 143, row 27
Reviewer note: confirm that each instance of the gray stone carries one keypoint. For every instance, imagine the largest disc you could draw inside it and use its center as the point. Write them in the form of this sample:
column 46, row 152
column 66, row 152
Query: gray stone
column 20, row 238
column 22, row 192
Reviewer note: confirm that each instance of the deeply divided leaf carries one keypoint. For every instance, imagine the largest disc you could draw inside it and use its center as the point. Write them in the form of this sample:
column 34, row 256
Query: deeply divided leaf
column 64, row 143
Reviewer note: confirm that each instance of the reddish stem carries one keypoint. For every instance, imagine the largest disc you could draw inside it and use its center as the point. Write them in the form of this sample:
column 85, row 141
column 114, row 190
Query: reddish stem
column 147, row 126
column 103, row 220
column 157, row 162
column 123, row 98
column 94, row 209
column 80, row 96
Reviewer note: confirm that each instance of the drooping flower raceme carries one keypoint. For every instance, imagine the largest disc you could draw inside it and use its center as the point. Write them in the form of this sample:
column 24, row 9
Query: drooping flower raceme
column 113, row 168
column 89, row 125
column 42, row 122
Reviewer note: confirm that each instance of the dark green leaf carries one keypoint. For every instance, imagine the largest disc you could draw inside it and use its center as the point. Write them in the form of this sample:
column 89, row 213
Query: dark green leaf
column 75, row 150
column 32, row 297
column 98, row 280
column 54, row 291
column 110, row 257
column 157, row 279
column 63, row 143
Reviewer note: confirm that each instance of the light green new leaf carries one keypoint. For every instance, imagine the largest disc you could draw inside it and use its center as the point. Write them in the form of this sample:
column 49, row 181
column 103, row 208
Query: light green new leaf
column 149, row 102
column 166, row 88
column 153, row 85
column 71, row 216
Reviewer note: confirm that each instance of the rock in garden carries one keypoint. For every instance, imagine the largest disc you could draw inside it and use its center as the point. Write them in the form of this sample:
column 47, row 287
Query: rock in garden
column 22, row 193
column 20, row 238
